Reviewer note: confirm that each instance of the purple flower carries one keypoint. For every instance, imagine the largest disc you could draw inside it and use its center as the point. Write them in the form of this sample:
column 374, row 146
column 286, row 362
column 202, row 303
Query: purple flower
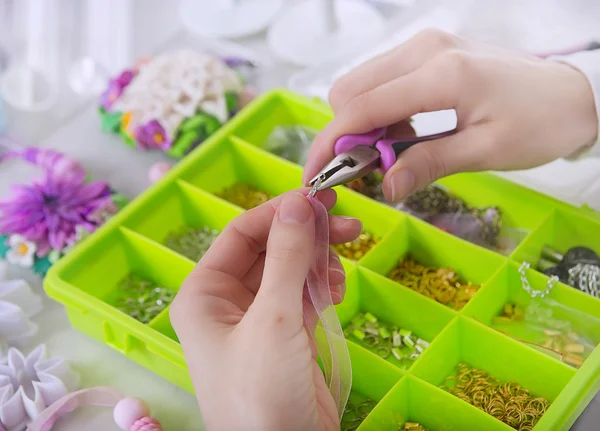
column 237, row 62
column 48, row 211
column 115, row 89
column 152, row 135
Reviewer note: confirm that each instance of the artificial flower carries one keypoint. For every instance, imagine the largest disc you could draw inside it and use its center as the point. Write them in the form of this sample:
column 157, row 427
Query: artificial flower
column 115, row 89
column 19, row 292
column 21, row 252
column 15, row 328
column 29, row 384
column 47, row 212
column 125, row 121
column 152, row 135
column 54, row 255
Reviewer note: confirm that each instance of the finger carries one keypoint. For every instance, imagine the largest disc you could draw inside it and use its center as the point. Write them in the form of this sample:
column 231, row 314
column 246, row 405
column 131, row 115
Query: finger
column 337, row 293
column 343, row 229
column 290, row 252
column 235, row 250
column 426, row 162
column 399, row 61
column 253, row 277
column 337, row 275
column 401, row 130
column 420, row 91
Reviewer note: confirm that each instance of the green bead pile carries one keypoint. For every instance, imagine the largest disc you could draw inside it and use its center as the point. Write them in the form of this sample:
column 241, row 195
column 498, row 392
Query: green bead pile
column 191, row 242
column 355, row 414
column 142, row 299
column 386, row 340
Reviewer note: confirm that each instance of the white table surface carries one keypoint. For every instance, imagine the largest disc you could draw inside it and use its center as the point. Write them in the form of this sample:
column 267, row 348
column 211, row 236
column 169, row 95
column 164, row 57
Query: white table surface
column 75, row 131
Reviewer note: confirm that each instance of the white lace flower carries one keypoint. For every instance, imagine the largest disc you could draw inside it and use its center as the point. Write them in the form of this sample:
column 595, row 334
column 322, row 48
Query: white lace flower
column 17, row 304
column 22, row 252
column 19, row 292
column 182, row 81
column 28, row 385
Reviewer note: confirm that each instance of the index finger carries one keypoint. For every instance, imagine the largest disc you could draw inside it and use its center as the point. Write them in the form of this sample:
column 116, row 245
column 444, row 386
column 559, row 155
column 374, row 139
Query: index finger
column 394, row 101
column 236, row 249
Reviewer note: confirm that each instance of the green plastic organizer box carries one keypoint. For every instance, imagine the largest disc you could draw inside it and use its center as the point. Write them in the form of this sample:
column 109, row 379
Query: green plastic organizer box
column 85, row 280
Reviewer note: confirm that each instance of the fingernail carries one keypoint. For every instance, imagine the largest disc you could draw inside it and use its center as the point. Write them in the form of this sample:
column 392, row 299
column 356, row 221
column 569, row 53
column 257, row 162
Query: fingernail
column 294, row 208
column 336, row 264
column 403, row 182
column 337, row 293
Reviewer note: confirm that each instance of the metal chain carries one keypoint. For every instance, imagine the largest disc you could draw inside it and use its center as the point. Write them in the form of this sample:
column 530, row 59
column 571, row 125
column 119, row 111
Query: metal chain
column 534, row 293
column 586, row 277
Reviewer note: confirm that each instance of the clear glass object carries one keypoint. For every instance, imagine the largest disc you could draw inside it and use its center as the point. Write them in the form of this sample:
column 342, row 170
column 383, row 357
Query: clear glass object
column 227, row 18
column 105, row 28
column 30, row 82
column 317, row 31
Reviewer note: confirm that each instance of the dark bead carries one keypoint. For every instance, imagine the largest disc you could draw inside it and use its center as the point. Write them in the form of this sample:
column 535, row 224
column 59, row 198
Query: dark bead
column 577, row 255
column 560, row 271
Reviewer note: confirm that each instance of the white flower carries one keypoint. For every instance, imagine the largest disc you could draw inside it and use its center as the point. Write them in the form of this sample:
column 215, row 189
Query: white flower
column 17, row 304
column 183, row 81
column 15, row 328
column 22, row 252
column 28, row 385
column 20, row 293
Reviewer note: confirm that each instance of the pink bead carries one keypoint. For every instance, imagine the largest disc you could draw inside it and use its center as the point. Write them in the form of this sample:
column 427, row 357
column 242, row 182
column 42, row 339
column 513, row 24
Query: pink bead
column 128, row 411
column 157, row 171
column 146, row 424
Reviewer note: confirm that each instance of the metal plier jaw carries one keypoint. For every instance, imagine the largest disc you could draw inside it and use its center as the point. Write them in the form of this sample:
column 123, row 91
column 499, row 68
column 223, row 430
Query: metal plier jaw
column 347, row 167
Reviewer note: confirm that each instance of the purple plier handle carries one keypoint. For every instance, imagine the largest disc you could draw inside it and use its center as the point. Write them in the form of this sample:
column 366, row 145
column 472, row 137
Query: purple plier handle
column 389, row 149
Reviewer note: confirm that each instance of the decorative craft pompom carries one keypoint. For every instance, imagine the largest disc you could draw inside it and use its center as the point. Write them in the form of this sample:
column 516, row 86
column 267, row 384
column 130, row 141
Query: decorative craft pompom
column 128, row 411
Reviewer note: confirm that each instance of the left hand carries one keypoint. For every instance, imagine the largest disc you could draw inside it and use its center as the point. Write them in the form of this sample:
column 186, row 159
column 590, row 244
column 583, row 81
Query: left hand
column 239, row 317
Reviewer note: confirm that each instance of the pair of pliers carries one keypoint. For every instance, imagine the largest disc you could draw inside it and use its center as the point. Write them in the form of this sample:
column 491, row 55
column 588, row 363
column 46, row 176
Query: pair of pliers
column 358, row 155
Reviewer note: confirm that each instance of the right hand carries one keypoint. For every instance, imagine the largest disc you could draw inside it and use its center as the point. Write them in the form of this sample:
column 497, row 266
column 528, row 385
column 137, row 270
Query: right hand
column 515, row 111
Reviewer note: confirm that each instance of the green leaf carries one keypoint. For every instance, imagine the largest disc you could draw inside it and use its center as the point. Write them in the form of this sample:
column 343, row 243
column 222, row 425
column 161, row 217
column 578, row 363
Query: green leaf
column 4, row 247
column 41, row 266
column 119, row 200
column 232, row 101
column 111, row 121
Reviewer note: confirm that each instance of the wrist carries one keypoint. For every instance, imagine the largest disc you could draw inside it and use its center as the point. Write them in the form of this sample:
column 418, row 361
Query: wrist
column 585, row 101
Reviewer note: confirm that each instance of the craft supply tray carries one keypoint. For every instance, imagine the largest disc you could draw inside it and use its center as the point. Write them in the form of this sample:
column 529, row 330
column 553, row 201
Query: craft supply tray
column 85, row 280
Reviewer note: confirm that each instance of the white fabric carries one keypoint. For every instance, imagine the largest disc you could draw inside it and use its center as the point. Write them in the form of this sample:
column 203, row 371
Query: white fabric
column 588, row 62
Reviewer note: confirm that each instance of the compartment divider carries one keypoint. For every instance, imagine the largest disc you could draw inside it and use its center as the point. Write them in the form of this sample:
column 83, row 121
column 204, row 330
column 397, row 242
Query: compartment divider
column 181, row 262
column 242, row 143
column 198, row 194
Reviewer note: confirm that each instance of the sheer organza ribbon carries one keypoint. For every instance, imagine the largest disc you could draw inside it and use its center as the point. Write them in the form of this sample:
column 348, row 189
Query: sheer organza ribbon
column 331, row 349
column 99, row 397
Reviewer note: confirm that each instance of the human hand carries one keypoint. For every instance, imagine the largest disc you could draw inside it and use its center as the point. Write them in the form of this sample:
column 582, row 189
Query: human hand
column 515, row 111
column 239, row 317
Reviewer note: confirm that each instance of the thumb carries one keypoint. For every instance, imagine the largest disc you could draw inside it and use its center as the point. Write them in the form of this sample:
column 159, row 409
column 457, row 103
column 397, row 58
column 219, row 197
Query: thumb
column 426, row 162
column 290, row 251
